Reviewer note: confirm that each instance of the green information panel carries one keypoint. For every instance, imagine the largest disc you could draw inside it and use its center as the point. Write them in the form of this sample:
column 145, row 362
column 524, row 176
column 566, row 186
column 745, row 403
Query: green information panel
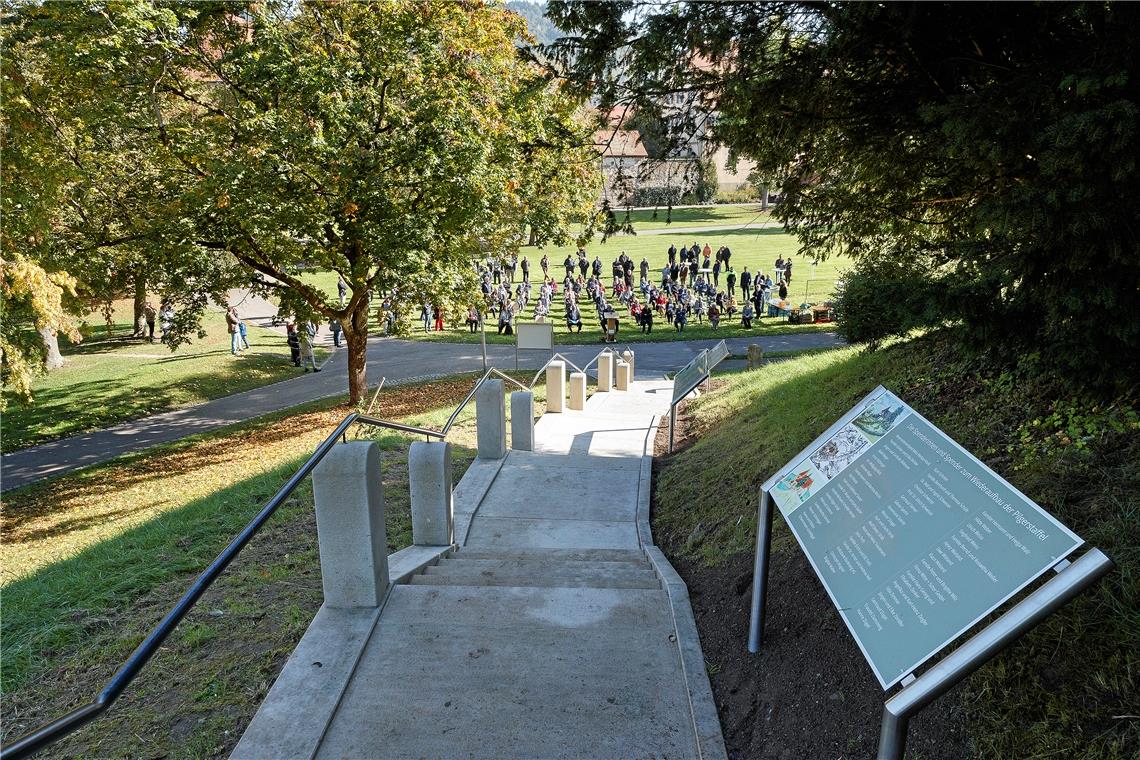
column 914, row 539
column 690, row 376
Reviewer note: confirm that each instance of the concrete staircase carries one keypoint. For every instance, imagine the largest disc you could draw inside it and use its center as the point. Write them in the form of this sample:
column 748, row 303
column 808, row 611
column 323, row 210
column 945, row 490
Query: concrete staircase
column 552, row 629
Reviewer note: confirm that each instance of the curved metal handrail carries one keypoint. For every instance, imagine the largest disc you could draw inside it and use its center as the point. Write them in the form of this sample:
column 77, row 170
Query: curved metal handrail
column 38, row 738
column 471, row 394
column 553, row 357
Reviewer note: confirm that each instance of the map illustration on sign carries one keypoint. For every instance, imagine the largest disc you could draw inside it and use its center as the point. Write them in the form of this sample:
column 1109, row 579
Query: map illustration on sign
column 832, row 457
column 913, row 538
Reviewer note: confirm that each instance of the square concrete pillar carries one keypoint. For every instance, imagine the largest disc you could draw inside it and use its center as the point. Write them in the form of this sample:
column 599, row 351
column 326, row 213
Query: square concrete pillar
column 522, row 421
column 429, row 479
column 578, row 390
column 349, row 497
column 491, row 420
column 627, row 355
column 555, row 386
column 623, row 376
column 605, row 372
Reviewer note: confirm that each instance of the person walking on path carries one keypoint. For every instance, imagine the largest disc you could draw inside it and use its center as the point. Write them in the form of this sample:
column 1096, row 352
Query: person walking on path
column 308, row 338
column 232, row 326
column 334, row 326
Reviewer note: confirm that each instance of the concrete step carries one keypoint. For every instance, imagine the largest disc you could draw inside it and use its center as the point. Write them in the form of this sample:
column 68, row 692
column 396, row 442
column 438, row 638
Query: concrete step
column 578, row 555
column 537, row 564
column 540, row 569
column 533, row 581
column 534, row 680
column 522, row 607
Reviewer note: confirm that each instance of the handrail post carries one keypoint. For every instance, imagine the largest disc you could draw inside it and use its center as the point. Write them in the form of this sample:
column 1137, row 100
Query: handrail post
column 348, row 495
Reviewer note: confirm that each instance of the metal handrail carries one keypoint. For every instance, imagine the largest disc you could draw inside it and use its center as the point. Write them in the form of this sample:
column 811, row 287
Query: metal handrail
column 471, row 394
column 47, row 734
column 375, row 395
column 553, row 357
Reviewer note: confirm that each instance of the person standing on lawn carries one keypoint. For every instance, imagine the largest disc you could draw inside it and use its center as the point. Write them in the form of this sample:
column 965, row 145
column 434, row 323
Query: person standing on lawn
column 242, row 334
column 524, row 265
column 232, row 326
column 746, row 283
column 341, row 289
column 788, row 271
column 149, row 313
column 166, row 319
column 544, row 262
column 730, row 280
column 294, row 342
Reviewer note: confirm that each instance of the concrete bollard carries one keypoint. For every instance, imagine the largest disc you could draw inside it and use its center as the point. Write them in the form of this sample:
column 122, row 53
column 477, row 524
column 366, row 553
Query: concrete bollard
column 605, row 372
column 755, row 356
column 555, row 386
column 623, row 373
column 578, row 390
column 348, row 494
column 429, row 479
column 522, row 421
column 627, row 355
column 491, row 420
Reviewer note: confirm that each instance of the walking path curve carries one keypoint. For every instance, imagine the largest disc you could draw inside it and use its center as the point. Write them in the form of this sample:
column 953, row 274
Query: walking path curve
column 399, row 361
column 553, row 628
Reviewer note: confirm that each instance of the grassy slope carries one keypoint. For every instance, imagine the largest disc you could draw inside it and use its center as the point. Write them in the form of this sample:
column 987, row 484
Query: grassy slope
column 1061, row 690
column 113, row 378
column 93, row 560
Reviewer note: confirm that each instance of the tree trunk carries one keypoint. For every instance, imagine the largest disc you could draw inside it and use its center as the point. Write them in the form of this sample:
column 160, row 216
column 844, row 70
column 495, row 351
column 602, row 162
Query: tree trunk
column 53, row 358
column 764, row 198
column 140, row 306
column 356, row 344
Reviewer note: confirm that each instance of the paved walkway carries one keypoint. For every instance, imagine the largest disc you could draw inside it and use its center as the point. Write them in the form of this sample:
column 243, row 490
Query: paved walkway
column 556, row 629
column 397, row 360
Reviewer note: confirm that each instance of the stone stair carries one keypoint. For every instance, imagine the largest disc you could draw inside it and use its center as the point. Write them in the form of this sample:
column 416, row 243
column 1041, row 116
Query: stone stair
column 507, row 568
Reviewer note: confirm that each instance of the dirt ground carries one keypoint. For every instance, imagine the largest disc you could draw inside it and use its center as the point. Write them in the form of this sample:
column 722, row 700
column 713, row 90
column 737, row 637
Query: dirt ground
column 808, row 693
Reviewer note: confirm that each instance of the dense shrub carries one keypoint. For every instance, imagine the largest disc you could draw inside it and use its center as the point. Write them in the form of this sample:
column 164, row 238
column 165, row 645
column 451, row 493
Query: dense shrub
column 886, row 298
column 657, row 196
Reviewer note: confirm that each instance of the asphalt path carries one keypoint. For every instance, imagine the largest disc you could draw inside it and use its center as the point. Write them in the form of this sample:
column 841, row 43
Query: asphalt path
column 398, row 361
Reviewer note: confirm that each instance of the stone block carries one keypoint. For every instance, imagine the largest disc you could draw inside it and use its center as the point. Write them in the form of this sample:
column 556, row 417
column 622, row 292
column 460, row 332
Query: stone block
column 555, row 386
column 623, row 376
column 491, row 420
column 348, row 494
column 578, row 390
column 605, row 372
column 429, row 479
column 522, row 421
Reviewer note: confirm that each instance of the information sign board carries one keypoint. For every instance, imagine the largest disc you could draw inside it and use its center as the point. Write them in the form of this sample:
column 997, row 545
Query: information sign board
column 534, row 335
column 717, row 354
column 914, row 538
column 690, row 376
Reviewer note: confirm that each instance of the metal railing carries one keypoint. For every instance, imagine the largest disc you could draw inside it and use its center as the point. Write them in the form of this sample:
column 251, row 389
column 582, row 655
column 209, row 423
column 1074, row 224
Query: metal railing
column 592, row 362
column 41, row 737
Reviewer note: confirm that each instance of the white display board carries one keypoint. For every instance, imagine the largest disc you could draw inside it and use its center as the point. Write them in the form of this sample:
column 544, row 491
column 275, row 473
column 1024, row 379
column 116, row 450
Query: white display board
column 538, row 336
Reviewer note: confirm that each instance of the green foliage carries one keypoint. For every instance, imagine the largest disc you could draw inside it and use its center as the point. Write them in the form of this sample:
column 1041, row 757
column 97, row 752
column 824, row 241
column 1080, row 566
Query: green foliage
column 707, row 182
column 1063, row 688
column 886, row 298
column 656, row 196
column 998, row 148
column 256, row 141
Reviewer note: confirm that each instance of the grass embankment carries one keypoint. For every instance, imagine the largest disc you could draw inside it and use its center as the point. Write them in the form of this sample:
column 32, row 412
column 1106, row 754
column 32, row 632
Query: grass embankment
column 1070, row 687
column 111, row 377
column 755, row 248
column 93, row 560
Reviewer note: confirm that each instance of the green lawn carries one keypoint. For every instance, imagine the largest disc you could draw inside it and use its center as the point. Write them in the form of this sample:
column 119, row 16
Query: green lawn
column 92, row 560
column 749, row 213
column 756, row 249
column 1066, row 689
column 113, row 378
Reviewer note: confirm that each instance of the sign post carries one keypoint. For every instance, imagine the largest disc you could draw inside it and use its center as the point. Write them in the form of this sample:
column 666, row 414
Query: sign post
column 915, row 541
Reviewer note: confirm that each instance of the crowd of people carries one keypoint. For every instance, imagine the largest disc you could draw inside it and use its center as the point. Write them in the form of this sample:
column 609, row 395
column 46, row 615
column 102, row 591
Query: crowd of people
column 692, row 287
